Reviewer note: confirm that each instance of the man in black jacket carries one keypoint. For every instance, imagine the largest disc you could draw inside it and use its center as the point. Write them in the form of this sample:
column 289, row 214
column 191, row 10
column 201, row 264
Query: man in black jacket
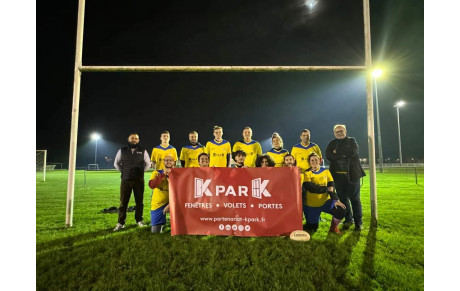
column 342, row 153
column 131, row 160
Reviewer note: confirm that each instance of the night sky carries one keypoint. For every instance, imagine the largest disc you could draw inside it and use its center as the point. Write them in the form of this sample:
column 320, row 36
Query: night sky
column 227, row 33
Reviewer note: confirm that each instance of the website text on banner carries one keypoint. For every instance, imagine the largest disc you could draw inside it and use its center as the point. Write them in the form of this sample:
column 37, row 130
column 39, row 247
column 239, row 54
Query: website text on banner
column 238, row 202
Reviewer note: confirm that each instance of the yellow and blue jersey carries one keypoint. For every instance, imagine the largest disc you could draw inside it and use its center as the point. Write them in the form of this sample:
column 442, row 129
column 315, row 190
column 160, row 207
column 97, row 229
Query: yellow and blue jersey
column 278, row 156
column 159, row 153
column 218, row 153
column 190, row 154
column 322, row 178
column 160, row 195
column 252, row 149
column 301, row 153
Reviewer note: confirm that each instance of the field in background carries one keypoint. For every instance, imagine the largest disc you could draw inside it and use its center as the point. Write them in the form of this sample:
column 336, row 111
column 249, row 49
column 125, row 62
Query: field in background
column 89, row 255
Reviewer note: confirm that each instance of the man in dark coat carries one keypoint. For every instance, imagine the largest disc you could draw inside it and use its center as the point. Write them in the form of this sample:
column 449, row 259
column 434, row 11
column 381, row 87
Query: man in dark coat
column 346, row 170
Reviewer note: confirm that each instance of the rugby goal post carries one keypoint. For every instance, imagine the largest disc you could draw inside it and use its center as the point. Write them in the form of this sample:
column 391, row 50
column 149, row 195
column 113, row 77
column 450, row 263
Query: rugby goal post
column 79, row 69
column 41, row 162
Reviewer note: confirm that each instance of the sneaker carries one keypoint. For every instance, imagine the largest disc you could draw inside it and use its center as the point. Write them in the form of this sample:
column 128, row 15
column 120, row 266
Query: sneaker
column 140, row 224
column 118, row 227
column 358, row 227
column 335, row 230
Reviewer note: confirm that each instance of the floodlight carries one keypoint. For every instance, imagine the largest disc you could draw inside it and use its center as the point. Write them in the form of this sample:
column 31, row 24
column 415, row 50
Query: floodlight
column 377, row 73
column 95, row 136
column 311, row 3
column 400, row 104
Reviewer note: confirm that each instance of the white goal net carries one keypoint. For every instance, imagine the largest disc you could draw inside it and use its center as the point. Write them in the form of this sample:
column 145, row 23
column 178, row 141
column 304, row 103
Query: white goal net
column 41, row 164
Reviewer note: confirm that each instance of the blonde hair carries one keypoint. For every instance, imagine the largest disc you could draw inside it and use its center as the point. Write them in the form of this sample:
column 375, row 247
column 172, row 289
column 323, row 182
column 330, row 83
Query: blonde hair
column 275, row 134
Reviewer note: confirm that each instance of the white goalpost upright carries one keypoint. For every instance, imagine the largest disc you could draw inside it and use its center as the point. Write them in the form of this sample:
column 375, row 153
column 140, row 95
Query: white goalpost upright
column 41, row 162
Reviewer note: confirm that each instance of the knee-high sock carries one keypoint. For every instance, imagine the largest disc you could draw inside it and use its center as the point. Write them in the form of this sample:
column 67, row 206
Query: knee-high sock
column 335, row 222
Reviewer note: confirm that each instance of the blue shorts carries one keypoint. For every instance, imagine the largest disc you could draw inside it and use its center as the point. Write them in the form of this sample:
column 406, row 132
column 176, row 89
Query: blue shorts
column 157, row 217
column 312, row 214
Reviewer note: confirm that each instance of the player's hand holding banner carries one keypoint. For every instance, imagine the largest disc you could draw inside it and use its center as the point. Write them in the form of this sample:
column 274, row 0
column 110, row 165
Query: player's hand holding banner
column 239, row 202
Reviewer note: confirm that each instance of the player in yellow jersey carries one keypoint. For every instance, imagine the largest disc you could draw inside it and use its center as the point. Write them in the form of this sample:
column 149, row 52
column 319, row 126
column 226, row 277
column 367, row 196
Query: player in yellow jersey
column 251, row 147
column 302, row 150
column 240, row 157
column 219, row 150
column 161, row 151
column 189, row 153
column 159, row 182
column 264, row 161
column 278, row 152
column 320, row 196
column 203, row 160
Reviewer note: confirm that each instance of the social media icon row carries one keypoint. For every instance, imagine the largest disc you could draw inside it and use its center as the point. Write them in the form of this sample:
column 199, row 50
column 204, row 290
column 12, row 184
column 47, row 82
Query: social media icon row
column 234, row 227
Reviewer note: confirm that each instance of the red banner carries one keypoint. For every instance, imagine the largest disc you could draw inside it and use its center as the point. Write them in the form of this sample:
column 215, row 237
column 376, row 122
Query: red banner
column 238, row 202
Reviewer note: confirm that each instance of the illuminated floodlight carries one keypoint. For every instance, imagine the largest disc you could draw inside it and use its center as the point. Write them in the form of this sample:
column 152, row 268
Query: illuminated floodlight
column 400, row 104
column 311, row 3
column 95, row 136
column 377, row 73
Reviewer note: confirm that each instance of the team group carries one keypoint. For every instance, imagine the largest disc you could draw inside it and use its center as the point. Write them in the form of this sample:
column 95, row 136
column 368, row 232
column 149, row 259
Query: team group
column 330, row 191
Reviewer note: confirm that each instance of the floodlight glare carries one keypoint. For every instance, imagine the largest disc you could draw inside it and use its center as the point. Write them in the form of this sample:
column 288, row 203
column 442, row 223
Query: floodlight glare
column 400, row 104
column 95, row 136
column 311, row 3
column 377, row 73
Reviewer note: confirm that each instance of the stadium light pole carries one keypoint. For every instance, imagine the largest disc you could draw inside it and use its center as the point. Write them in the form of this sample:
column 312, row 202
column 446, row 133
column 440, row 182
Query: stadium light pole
column 95, row 136
column 375, row 74
column 399, row 104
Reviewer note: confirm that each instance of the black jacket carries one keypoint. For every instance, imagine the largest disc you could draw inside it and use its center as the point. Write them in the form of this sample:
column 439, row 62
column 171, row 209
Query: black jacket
column 345, row 159
column 132, row 163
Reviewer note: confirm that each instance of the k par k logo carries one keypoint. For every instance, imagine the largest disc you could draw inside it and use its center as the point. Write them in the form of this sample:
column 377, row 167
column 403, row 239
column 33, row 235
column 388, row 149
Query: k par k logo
column 259, row 189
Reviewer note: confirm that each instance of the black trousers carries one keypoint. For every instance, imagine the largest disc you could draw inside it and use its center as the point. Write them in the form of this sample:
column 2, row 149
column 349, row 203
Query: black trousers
column 349, row 192
column 126, row 187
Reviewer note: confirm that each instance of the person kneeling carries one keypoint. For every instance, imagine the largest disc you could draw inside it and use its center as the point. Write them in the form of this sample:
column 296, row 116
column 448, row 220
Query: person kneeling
column 320, row 196
column 159, row 182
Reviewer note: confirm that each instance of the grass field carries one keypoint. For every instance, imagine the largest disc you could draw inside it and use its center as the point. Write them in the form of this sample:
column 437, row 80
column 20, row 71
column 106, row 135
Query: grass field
column 91, row 256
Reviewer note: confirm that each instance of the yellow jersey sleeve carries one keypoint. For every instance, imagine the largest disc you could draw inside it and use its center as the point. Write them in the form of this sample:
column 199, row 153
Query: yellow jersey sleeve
column 160, row 195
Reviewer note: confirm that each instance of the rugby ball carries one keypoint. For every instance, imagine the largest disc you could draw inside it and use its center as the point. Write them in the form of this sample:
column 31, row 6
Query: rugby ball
column 300, row 235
